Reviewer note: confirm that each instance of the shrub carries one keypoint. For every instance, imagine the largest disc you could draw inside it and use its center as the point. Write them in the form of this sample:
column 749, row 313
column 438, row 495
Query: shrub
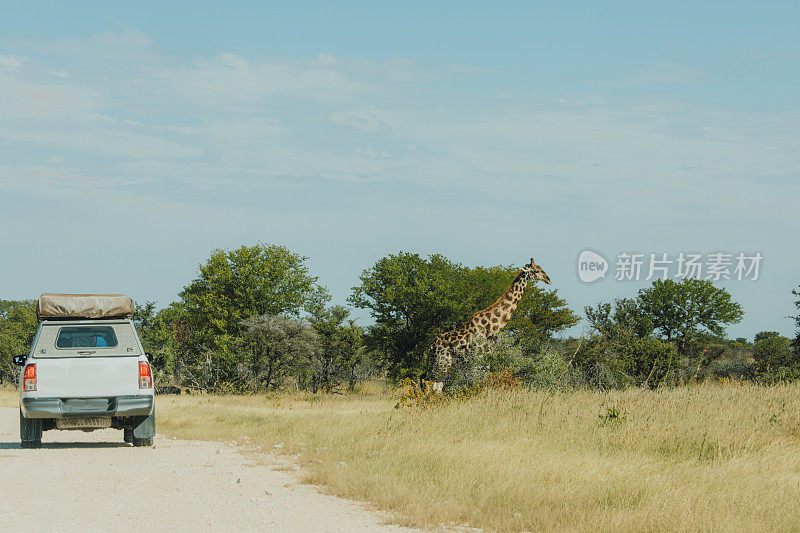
column 733, row 364
column 775, row 360
column 624, row 359
column 415, row 397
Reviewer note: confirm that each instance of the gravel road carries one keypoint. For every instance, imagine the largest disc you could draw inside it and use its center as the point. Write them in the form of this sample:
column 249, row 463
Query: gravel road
column 95, row 482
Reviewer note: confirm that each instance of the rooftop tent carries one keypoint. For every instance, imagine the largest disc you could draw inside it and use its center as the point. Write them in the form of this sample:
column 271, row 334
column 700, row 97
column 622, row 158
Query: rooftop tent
column 84, row 306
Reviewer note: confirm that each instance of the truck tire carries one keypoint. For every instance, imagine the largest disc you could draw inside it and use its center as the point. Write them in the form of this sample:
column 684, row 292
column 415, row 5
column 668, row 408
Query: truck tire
column 143, row 433
column 143, row 442
column 30, row 431
column 127, row 434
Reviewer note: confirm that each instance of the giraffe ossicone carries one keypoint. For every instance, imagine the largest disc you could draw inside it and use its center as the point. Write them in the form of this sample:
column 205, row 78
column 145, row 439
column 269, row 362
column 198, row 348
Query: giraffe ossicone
column 482, row 327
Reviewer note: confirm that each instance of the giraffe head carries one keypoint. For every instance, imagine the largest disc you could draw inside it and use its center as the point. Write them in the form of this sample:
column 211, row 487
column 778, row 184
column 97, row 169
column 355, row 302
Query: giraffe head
column 535, row 272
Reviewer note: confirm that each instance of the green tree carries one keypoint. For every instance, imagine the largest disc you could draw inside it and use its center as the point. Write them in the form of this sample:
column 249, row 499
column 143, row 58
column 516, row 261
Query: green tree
column 774, row 357
column 18, row 324
column 144, row 322
column 624, row 348
column 763, row 335
column 540, row 314
column 627, row 315
column 599, row 317
column 234, row 286
column 680, row 310
column 340, row 349
column 159, row 332
column 273, row 348
column 412, row 299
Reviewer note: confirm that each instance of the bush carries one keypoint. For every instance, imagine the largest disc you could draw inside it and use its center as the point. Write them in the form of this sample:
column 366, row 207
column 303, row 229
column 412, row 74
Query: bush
column 774, row 359
column 542, row 365
column 733, row 364
column 470, row 367
column 623, row 359
column 545, row 370
column 340, row 354
column 772, row 352
column 414, row 397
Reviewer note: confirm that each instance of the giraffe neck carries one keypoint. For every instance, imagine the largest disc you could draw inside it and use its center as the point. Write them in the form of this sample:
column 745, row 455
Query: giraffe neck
column 509, row 301
column 496, row 316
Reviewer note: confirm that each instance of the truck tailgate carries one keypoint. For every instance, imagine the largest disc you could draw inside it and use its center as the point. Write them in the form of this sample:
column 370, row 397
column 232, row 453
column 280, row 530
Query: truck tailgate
column 83, row 377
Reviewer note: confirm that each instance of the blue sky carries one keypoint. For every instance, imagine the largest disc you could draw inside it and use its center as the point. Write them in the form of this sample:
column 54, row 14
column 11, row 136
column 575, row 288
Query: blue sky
column 135, row 139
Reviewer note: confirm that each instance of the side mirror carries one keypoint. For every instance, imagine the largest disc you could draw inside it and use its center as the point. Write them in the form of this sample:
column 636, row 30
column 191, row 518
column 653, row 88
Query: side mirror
column 19, row 360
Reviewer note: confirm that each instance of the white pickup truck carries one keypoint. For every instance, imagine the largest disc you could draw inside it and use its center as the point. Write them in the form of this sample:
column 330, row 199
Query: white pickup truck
column 86, row 370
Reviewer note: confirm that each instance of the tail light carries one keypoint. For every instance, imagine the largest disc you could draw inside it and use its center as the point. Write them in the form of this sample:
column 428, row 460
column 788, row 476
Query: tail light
column 29, row 378
column 145, row 377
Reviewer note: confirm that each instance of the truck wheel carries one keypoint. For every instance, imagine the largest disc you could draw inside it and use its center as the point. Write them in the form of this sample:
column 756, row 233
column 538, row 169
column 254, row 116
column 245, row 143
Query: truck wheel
column 30, row 431
column 143, row 433
column 127, row 434
column 143, row 442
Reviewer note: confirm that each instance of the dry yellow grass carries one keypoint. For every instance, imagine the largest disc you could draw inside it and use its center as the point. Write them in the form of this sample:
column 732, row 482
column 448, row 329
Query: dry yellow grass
column 710, row 457
column 8, row 396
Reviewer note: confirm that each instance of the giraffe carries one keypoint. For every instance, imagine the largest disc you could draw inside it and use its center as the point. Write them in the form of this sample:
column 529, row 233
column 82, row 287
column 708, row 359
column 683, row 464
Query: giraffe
column 482, row 327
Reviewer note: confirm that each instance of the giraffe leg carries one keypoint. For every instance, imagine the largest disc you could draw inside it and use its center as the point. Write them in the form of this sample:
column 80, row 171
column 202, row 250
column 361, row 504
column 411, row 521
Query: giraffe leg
column 441, row 367
column 488, row 348
column 478, row 368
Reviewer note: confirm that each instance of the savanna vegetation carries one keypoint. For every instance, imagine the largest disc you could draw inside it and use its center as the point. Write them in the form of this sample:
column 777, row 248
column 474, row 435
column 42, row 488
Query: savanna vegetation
column 716, row 456
column 652, row 420
column 255, row 319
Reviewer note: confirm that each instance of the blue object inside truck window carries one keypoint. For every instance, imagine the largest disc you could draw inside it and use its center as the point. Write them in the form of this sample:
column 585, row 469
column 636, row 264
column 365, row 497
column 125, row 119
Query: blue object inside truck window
column 86, row 337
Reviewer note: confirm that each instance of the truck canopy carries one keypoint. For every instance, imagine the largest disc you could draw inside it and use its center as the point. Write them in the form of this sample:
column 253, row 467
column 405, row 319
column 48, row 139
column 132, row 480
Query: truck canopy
column 91, row 306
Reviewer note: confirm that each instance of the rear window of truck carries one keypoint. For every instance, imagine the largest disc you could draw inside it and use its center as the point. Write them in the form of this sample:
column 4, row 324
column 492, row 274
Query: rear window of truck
column 86, row 337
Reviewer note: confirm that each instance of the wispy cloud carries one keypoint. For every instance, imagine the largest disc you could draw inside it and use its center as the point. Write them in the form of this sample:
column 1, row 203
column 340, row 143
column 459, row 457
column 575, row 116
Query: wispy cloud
column 230, row 121
column 10, row 62
column 359, row 120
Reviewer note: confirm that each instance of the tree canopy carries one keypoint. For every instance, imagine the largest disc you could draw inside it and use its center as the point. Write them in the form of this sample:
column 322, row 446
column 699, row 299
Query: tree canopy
column 763, row 335
column 772, row 353
column 624, row 347
column 249, row 281
column 340, row 349
column 272, row 348
column 627, row 315
column 18, row 325
column 161, row 335
column 680, row 310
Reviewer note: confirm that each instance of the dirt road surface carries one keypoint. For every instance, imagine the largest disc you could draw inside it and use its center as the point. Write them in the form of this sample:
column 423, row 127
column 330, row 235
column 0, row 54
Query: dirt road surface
column 93, row 481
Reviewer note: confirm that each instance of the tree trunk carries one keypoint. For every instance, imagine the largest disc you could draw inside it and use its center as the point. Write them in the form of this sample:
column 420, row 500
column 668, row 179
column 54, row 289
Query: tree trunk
column 268, row 380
